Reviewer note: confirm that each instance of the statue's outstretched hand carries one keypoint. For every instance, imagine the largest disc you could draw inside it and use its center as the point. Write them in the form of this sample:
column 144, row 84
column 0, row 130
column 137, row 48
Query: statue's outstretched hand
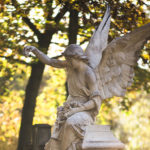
column 28, row 49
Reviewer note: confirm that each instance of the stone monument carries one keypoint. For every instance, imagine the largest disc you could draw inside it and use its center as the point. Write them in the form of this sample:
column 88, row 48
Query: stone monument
column 99, row 137
column 101, row 72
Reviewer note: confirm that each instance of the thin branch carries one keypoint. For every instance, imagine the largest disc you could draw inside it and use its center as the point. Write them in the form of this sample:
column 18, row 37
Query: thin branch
column 61, row 13
column 49, row 28
column 32, row 26
column 49, row 9
column 85, row 40
column 84, row 35
column 60, row 44
column 25, row 18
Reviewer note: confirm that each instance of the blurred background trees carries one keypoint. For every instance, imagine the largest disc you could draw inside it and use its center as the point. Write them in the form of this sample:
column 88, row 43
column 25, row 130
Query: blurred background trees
column 31, row 92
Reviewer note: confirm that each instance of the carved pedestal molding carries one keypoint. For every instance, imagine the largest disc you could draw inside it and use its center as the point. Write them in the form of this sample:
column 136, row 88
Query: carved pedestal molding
column 100, row 137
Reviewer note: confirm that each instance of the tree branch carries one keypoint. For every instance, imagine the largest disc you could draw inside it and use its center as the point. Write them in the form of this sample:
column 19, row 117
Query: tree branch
column 61, row 13
column 85, row 40
column 49, row 9
column 25, row 18
column 49, row 28
column 32, row 26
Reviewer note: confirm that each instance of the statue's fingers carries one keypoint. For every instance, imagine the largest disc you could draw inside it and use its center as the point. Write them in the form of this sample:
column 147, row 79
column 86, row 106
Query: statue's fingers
column 26, row 50
column 26, row 47
column 31, row 48
column 66, row 115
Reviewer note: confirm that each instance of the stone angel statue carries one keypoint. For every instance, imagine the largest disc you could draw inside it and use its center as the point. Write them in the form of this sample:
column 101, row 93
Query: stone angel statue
column 102, row 71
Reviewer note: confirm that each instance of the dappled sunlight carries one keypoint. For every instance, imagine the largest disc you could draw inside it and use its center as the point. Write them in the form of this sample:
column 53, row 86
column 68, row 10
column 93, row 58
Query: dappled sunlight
column 52, row 95
column 39, row 23
column 131, row 126
column 10, row 115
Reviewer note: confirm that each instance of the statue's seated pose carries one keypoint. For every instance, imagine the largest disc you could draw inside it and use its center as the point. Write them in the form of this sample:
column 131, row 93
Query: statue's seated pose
column 92, row 76
column 83, row 102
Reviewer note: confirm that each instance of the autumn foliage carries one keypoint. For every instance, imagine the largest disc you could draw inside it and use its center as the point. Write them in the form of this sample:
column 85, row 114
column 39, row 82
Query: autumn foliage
column 51, row 25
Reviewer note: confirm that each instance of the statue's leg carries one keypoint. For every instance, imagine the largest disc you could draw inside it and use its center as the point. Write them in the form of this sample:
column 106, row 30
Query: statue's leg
column 75, row 146
column 52, row 144
column 73, row 131
column 69, row 136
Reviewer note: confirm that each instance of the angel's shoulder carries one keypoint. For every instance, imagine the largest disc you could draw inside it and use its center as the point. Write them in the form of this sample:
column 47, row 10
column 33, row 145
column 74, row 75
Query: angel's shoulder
column 90, row 74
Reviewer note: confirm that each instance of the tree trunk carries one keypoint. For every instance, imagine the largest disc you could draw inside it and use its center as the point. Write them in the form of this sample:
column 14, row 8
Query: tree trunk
column 72, row 33
column 31, row 93
column 73, row 26
column 29, row 105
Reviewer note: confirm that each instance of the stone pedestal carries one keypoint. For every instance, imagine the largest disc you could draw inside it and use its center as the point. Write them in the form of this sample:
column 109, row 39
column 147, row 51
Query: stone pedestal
column 41, row 134
column 100, row 137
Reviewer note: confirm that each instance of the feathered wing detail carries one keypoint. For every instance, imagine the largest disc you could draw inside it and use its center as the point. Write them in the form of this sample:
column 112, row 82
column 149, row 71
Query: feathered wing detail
column 115, row 71
column 98, row 41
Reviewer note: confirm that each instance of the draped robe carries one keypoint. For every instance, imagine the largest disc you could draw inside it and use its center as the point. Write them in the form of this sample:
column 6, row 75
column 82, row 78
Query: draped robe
column 67, row 136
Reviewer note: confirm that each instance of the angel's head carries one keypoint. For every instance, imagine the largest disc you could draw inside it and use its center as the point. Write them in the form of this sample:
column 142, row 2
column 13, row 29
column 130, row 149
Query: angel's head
column 76, row 52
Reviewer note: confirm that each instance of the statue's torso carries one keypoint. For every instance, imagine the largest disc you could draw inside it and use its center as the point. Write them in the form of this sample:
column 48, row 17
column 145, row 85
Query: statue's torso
column 77, row 86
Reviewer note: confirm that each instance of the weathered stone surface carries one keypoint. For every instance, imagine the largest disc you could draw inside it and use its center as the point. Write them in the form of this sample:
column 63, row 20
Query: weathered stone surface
column 41, row 134
column 100, row 137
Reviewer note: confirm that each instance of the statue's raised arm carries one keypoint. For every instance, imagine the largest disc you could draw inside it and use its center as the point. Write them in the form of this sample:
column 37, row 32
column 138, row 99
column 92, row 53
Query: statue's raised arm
column 44, row 58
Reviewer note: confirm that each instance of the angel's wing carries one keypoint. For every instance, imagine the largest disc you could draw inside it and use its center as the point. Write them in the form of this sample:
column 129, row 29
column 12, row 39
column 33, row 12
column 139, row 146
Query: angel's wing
column 115, row 71
column 98, row 41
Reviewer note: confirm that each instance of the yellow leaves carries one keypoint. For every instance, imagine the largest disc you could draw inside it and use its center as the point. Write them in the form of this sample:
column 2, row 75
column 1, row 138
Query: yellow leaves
column 132, row 94
column 5, row 70
column 10, row 115
column 131, row 126
column 52, row 95
column 146, row 56
column 11, row 104
column 2, row 138
column 125, row 30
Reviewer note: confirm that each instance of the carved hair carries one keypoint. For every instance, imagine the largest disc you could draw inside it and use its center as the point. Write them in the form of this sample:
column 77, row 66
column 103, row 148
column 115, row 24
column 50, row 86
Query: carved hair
column 75, row 51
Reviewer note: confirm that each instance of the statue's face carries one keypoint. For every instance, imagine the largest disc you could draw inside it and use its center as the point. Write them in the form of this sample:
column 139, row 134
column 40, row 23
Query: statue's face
column 68, row 58
column 74, row 55
column 73, row 62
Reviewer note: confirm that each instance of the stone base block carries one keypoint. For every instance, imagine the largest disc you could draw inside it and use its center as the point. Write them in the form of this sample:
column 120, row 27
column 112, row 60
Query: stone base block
column 100, row 137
